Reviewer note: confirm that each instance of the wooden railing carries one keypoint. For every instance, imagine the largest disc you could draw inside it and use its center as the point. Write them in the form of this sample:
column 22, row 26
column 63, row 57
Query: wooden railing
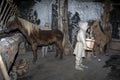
column 7, row 9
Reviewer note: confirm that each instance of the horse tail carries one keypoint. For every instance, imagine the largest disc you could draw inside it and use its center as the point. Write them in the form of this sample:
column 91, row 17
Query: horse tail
column 66, row 46
column 61, row 36
column 63, row 42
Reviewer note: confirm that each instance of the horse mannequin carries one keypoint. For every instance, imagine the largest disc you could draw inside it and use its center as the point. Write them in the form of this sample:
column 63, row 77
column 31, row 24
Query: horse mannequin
column 35, row 36
column 101, row 38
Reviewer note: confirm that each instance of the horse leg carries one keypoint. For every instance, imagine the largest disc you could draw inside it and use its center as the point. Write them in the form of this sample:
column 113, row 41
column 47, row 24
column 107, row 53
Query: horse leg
column 107, row 46
column 34, row 48
column 94, row 50
column 106, row 49
column 57, row 51
column 59, row 45
column 61, row 52
column 100, row 53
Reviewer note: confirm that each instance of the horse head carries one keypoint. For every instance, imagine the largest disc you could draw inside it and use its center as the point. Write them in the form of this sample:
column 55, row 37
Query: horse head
column 93, row 26
column 13, row 24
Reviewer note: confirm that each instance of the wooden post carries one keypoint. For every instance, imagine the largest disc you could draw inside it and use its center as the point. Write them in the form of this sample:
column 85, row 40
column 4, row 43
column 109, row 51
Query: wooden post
column 63, row 24
column 107, row 7
column 60, row 25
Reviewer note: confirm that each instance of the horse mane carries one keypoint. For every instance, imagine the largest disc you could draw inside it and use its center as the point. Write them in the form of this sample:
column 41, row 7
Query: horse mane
column 97, row 23
column 100, row 25
column 30, row 27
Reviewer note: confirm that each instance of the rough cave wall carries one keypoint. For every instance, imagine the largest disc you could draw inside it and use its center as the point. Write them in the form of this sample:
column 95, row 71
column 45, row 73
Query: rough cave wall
column 44, row 12
column 36, row 11
column 87, row 10
column 43, row 8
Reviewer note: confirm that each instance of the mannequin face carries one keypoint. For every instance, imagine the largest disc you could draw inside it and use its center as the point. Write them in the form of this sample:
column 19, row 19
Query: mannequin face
column 84, row 26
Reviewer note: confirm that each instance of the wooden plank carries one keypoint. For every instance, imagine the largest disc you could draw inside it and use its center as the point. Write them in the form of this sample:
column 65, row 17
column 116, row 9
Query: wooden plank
column 1, row 5
column 1, row 22
column 115, row 40
column 10, row 13
column 3, row 11
column 6, row 14
column 115, row 44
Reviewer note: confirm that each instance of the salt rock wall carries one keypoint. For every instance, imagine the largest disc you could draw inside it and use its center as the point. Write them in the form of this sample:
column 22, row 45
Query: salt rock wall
column 86, row 10
column 44, row 10
column 41, row 11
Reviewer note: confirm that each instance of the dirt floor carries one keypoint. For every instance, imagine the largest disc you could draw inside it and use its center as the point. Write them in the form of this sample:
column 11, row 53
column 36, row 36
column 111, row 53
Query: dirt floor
column 51, row 68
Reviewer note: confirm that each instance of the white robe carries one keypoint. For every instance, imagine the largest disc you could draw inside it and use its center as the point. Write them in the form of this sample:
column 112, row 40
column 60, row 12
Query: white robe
column 80, row 46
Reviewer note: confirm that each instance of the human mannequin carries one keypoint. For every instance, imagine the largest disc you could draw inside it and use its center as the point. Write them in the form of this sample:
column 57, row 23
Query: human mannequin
column 45, row 48
column 80, row 47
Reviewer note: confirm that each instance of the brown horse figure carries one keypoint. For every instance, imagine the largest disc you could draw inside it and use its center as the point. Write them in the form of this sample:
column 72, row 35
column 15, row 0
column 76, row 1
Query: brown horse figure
column 102, row 38
column 35, row 36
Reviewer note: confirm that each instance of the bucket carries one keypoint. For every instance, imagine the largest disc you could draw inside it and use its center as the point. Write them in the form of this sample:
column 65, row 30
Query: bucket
column 90, row 43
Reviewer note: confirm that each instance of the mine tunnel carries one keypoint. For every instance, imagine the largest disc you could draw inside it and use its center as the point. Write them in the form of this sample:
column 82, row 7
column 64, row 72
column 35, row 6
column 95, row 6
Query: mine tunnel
column 38, row 39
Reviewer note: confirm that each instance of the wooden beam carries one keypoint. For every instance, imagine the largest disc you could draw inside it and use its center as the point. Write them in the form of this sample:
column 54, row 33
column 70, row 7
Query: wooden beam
column 1, row 5
column 3, row 12
column 63, row 24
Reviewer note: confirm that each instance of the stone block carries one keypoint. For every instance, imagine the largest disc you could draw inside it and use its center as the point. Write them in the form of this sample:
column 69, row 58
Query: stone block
column 10, row 46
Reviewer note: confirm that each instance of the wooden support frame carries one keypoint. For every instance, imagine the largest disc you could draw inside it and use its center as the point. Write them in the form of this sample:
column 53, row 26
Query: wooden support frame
column 7, row 8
